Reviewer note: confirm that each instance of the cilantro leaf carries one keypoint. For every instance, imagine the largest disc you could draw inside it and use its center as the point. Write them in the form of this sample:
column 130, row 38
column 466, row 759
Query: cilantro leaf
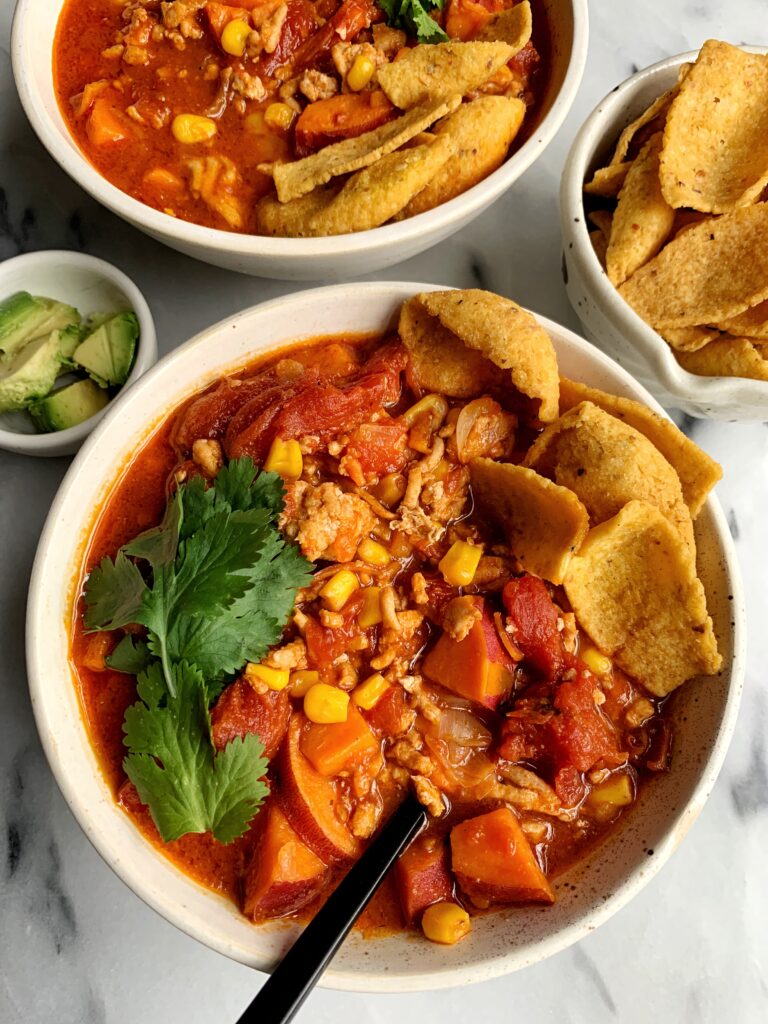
column 114, row 593
column 130, row 656
column 187, row 785
column 158, row 545
column 413, row 17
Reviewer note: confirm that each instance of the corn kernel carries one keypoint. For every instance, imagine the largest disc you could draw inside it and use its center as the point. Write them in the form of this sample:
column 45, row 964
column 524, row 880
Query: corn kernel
column 279, row 117
column 446, row 923
column 460, row 563
column 285, row 458
column 369, row 693
column 192, row 128
column 234, row 37
column 373, row 553
column 616, row 791
column 274, row 678
column 435, row 405
column 302, row 681
column 326, row 704
column 339, row 588
column 360, row 74
column 370, row 613
column 390, row 489
column 595, row 661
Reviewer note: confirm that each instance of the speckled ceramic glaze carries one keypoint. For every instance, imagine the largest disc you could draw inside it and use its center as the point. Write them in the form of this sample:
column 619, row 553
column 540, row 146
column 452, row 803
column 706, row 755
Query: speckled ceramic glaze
column 607, row 319
column 704, row 710
column 295, row 258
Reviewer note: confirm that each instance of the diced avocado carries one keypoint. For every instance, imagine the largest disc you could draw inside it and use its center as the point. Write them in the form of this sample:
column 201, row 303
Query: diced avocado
column 24, row 317
column 31, row 373
column 69, row 338
column 107, row 352
column 69, row 405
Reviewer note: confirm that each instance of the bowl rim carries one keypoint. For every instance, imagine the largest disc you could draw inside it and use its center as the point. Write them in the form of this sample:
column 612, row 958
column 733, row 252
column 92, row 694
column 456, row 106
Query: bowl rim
column 74, row 162
column 354, row 980
column 591, row 137
column 58, row 441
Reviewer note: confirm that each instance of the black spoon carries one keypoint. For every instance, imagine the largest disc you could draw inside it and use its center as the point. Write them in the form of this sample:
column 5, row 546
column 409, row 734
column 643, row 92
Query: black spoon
column 299, row 971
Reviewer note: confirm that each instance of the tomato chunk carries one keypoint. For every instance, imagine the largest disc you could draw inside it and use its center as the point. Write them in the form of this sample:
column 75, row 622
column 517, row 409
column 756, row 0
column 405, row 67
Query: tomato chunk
column 533, row 616
column 379, row 448
column 582, row 733
column 325, row 645
column 300, row 22
column 350, row 19
column 240, row 711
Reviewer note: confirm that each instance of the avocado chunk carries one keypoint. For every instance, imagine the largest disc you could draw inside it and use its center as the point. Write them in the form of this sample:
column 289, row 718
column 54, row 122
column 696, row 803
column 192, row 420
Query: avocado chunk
column 24, row 317
column 31, row 373
column 107, row 352
column 69, row 406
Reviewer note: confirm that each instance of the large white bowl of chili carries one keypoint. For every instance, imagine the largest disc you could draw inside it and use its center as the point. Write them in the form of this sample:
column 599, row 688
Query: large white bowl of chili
column 703, row 712
column 337, row 257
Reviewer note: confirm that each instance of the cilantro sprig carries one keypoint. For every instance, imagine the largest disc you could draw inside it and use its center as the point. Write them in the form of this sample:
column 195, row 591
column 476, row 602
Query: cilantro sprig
column 214, row 585
column 412, row 16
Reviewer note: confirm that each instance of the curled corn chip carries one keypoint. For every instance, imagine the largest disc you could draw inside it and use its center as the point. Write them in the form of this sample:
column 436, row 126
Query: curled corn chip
column 481, row 133
column 634, row 589
column 603, row 221
column 727, row 357
column 301, row 176
column 544, row 524
column 658, row 109
column 715, row 154
column 752, row 323
column 713, row 271
column 292, row 219
column 698, row 472
column 643, row 219
column 689, row 339
column 600, row 245
column 432, row 73
column 513, row 26
column 607, row 181
column 607, row 463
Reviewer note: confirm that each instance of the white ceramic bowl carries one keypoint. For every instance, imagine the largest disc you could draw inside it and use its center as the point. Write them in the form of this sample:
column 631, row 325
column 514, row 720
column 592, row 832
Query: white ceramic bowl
column 502, row 942
column 607, row 319
column 293, row 258
column 92, row 286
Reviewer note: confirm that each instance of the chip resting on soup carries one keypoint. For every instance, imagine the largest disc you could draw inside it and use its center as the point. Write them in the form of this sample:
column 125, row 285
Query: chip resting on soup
column 298, row 118
column 368, row 566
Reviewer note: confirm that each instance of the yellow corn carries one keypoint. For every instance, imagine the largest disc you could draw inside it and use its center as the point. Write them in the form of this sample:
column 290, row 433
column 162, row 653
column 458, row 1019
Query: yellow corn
column 595, row 661
column 360, row 74
column 255, row 122
column 446, row 923
column 285, row 458
column 370, row 613
column 390, row 489
column 338, row 590
column 373, row 553
column 369, row 693
column 616, row 790
column 326, row 704
column 274, row 678
column 192, row 128
column 460, row 563
column 234, row 37
column 279, row 117
column 302, row 681
column 435, row 405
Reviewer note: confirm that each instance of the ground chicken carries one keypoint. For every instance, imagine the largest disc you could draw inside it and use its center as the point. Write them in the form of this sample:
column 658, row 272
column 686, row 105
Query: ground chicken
column 272, row 28
column 329, row 524
column 460, row 615
column 365, row 818
column 429, row 796
column 291, row 656
column 345, row 54
column 407, row 756
column 317, row 86
column 248, row 86
column 208, row 456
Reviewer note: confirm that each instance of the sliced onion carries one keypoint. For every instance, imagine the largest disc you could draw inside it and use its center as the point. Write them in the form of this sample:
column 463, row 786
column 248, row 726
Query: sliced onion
column 462, row 728
column 468, row 417
column 483, row 428
column 463, row 767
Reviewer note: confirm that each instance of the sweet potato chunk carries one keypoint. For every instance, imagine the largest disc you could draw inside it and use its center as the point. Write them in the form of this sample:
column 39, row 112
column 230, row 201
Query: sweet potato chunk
column 310, row 800
column 423, row 876
column 283, row 875
column 340, row 117
column 493, row 860
column 240, row 711
column 331, row 748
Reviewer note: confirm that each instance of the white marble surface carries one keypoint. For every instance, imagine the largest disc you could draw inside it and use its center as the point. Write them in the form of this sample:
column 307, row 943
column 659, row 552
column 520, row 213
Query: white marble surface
column 77, row 947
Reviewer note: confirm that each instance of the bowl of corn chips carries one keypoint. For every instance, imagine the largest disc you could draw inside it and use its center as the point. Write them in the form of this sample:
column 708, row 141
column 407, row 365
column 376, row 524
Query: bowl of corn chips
column 664, row 212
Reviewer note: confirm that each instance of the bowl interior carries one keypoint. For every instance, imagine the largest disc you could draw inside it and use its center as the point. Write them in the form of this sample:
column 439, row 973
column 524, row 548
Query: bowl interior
column 499, row 943
column 34, row 31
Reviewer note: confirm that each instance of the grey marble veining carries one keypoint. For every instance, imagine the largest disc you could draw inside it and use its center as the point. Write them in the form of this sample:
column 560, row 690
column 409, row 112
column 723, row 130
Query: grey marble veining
column 77, row 947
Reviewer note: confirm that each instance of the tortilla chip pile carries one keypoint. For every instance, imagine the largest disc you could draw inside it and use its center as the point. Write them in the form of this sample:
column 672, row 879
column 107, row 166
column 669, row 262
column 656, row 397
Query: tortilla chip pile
column 445, row 140
column 686, row 241
column 603, row 501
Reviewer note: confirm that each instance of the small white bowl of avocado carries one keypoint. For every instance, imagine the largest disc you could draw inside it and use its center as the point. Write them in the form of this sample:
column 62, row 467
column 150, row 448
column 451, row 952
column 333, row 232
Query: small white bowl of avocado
column 74, row 331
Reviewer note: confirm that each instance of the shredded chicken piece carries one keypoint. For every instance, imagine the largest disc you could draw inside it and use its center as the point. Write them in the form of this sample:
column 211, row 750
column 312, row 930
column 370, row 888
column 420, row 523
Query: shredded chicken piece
column 429, row 796
column 329, row 523
column 388, row 610
column 347, row 677
column 291, row 656
column 430, row 462
column 419, row 588
column 365, row 818
column 413, row 488
column 248, row 86
column 213, row 179
column 421, row 699
column 208, row 456
column 416, row 522
column 529, row 792
column 460, row 615
column 317, row 86
column 272, row 28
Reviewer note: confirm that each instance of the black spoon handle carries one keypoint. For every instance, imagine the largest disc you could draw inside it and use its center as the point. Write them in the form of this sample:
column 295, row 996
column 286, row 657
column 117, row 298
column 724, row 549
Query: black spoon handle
column 300, row 969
